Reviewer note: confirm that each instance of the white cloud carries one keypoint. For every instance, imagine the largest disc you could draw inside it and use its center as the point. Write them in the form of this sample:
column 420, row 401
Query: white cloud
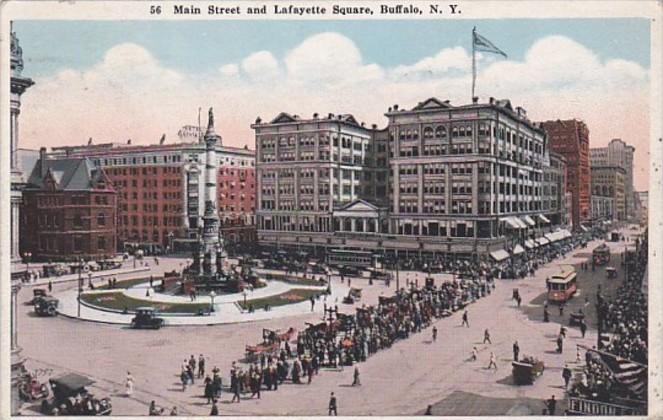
column 260, row 65
column 129, row 94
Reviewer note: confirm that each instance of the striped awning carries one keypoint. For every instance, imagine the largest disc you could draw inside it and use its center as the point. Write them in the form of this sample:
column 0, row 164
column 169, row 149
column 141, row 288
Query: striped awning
column 499, row 255
column 517, row 250
column 543, row 218
column 529, row 221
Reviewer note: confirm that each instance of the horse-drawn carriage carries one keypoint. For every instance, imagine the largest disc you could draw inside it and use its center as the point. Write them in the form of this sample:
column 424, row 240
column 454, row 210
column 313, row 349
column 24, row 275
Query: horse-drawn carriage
column 576, row 318
column 271, row 343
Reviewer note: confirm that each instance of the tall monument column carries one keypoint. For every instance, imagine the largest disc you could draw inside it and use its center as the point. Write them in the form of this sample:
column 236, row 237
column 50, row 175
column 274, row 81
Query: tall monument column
column 211, row 217
column 19, row 84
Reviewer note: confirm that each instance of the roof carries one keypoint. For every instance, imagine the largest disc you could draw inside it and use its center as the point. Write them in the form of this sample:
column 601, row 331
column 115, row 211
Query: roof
column 432, row 103
column 72, row 381
column 71, row 174
column 565, row 271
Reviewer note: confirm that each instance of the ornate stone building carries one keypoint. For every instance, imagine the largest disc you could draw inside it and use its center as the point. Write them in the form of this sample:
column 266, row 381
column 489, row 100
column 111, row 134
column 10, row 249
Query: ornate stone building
column 619, row 154
column 438, row 179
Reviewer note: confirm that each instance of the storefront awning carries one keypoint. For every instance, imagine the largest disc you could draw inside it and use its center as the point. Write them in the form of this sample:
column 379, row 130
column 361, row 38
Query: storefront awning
column 530, row 243
column 511, row 222
column 565, row 234
column 543, row 218
column 542, row 241
column 499, row 255
column 517, row 250
column 551, row 237
column 529, row 221
column 584, row 229
column 522, row 224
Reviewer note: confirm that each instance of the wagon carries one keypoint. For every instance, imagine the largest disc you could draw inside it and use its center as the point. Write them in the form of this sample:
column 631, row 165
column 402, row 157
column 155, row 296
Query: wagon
column 526, row 371
column 611, row 272
column 576, row 318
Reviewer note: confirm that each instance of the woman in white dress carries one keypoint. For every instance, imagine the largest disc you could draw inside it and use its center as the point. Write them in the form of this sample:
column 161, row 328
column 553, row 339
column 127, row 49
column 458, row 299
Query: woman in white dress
column 129, row 384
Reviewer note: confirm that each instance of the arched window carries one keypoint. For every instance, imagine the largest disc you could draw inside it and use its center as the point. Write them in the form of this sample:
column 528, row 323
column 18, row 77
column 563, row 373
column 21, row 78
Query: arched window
column 428, row 133
column 440, row 132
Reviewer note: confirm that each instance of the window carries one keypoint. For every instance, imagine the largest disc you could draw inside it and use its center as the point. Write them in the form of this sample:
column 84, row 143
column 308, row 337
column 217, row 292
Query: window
column 78, row 220
column 101, row 219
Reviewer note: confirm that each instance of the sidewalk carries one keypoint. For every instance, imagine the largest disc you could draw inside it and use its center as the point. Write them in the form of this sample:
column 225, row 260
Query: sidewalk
column 43, row 281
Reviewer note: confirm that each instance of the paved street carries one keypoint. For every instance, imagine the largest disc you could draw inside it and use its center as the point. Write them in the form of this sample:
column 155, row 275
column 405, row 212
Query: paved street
column 401, row 380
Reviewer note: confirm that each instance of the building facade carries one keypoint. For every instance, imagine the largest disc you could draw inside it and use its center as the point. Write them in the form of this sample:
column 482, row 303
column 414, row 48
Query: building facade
column 620, row 154
column 19, row 84
column 160, row 191
column 554, row 189
column 570, row 138
column 610, row 182
column 69, row 211
column 603, row 207
column 438, row 179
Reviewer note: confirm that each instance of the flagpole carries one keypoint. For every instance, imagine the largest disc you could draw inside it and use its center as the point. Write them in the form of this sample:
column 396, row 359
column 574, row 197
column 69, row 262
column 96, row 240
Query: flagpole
column 474, row 64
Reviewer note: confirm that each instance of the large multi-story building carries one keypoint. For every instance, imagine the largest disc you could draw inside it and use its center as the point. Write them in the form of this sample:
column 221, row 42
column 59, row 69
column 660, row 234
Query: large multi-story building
column 554, row 189
column 570, row 138
column 439, row 178
column 609, row 182
column 618, row 153
column 160, row 190
column 69, row 211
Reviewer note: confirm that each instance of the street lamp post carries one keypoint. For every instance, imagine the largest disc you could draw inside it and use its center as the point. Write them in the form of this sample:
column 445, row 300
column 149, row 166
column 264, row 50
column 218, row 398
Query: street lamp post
column 212, row 295
column 27, row 256
column 244, row 294
column 80, row 285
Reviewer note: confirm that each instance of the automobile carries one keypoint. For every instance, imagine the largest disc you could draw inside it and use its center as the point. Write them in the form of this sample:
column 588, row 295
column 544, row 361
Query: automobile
column 349, row 271
column 71, row 398
column 46, row 306
column 37, row 294
column 146, row 319
column 527, row 370
column 54, row 270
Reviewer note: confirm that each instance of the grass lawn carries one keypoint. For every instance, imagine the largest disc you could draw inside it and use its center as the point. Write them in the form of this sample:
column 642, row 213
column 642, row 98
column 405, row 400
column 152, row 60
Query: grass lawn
column 123, row 284
column 296, row 280
column 119, row 301
column 291, row 296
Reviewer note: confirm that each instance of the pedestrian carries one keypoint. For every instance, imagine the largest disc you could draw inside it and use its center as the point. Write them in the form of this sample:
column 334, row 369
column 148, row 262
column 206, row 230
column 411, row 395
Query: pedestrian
column 577, row 354
column 561, row 309
column 429, row 410
column 516, row 350
column 151, row 281
column 184, row 377
column 50, row 286
column 518, row 300
column 235, row 386
column 201, row 366
column 486, row 337
column 566, row 374
column 312, row 303
column 465, row 321
column 551, row 403
column 173, row 412
column 560, row 344
column 356, row 381
column 215, row 409
column 129, row 384
column 332, row 405
column 583, row 328
column 475, row 353
column 434, row 334
column 492, row 362
column 546, row 315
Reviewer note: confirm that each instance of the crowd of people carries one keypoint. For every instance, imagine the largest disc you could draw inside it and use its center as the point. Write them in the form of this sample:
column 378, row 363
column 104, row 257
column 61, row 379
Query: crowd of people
column 622, row 319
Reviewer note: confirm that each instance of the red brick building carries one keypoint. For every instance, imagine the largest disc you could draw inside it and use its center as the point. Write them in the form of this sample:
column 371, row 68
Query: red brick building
column 160, row 191
column 69, row 210
column 570, row 138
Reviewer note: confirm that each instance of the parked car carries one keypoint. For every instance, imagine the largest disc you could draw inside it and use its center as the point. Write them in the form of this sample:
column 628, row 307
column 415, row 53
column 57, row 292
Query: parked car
column 146, row 318
column 71, row 398
column 37, row 294
column 46, row 306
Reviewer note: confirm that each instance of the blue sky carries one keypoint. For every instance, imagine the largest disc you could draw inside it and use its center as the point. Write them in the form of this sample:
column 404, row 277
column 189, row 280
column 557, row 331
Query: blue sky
column 115, row 80
column 202, row 46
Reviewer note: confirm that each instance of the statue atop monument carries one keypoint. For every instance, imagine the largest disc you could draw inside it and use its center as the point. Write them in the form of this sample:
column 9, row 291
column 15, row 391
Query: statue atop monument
column 210, row 121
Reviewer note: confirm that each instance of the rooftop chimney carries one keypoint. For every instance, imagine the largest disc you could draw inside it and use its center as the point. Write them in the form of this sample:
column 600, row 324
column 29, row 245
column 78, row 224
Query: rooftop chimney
column 42, row 161
column 396, row 107
column 475, row 100
column 491, row 100
column 315, row 116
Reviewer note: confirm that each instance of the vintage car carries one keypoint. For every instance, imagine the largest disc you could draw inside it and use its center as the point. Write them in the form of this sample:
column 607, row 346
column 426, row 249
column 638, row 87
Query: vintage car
column 70, row 398
column 51, row 270
column 527, row 370
column 146, row 318
column 46, row 306
column 37, row 294
column 30, row 389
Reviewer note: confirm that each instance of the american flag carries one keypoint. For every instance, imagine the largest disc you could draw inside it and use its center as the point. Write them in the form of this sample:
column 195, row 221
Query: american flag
column 631, row 374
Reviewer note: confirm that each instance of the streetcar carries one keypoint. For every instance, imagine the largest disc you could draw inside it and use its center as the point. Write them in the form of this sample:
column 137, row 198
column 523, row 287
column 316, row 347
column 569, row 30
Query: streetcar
column 353, row 258
column 562, row 285
column 601, row 254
